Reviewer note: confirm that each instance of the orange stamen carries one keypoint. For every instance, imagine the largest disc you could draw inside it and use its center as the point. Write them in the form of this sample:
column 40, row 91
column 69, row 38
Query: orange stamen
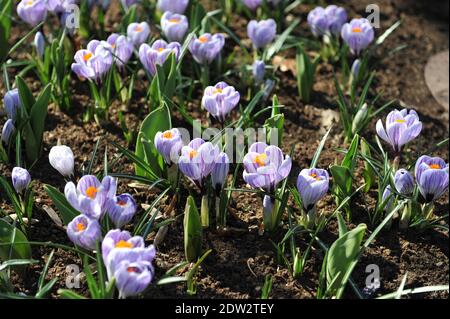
column 168, row 135
column 260, row 159
column 203, row 39
column 124, row 244
column 91, row 192
column 81, row 227
column 174, row 20
column 356, row 30
column 87, row 56
column 192, row 154
column 435, row 166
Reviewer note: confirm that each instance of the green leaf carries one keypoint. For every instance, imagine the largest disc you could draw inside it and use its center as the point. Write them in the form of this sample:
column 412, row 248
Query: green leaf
column 66, row 210
column 13, row 243
column 69, row 294
column 193, row 232
column 342, row 177
column 38, row 115
column 342, row 226
column 305, row 74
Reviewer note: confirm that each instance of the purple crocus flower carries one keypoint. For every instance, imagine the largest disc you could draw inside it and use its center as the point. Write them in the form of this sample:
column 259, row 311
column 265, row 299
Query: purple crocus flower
column 175, row 6
column 220, row 171
column 20, row 179
column 336, row 17
column 132, row 278
column 262, row 33
column 219, row 100
column 94, row 61
column 431, row 177
column 11, row 102
column 387, row 194
column 265, row 166
column 59, row 6
column 90, row 196
column 84, row 232
column 169, row 144
column 122, row 48
column 401, row 127
column 358, row 34
column 258, row 70
column 121, row 209
column 157, row 54
column 128, row 3
column 174, row 26
column 39, row 44
column 32, row 11
column 7, row 130
column 312, row 184
column 138, row 33
column 207, row 47
column 318, row 21
column 197, row 160
column 117, row 239
column 355, row 68
column 252, row 4
column 404, row 182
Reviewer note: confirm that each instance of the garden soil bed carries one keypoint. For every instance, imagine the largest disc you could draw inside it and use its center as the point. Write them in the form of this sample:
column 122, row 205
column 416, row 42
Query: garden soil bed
column 241, row 257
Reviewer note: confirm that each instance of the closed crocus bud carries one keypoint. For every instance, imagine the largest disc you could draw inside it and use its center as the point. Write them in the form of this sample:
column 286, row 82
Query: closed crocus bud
column 32, row 11
column 157, row 54
column 169, row 144
column 121, row 209
column 175, row 6
column 207, row 47
column 122, row 48
column 11, row 102
column 132, row 278
column 401, row 127
column 220, row 100
column 355, row 68
column 94, row 61
column 336, row 17
column 84, row 232
column 258, row 70
column 312, row 184
column 262, row 33
column 61, row 158
column 252, row 4
column 360, row 118
column 318, row 21
column 128, row 3
column 265, row 166
column 39, row 43
column 404, row 182
column 358, row 34
column 8, row 130
column 20, row 179
column 220, row 171
column 138, row 33
column 387, row 198
column 431, row 177
column 174, row 26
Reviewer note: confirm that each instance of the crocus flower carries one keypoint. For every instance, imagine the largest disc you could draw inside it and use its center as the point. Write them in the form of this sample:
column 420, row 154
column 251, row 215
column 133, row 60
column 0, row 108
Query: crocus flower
column 265, row 166
column 39, row 43
column 11, row 102
column 258, row 70
column 318, row 21
column 122, row 48
column 20, row 179
column 312, row 184
column 174, row 26
column 261, row 33
column 7, row 130
column 132, row 278
column 59, row 6
column 404, row 182
column 169, row 144
column 117, row 239
column 358, row 34
column 220, row 171
column 197, row 160
column 431, row 177
column 401, row 127
column 138, row 33
column 252, row 4
column 355, row 68
column 336, row 17
column 61, row 158
column 387, row 194
column 32, row 11
column 90, row 196
column 121, row 209
column 84, row 232
column 128, row 3
column 175, row 6
column 94, row 61
column 151, row 56
column 219, row 100
column 207, row 47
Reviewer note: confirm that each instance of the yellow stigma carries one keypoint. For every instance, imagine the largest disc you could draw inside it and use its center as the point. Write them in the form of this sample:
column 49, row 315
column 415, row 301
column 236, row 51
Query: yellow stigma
column 174, row 20
column 87, row 56
column 260, row 159
column 356, row 30
column 124, row 244
column 203, row 39
column 168, row 135
column 160, row 49
column 400, row 121
column 435, row 166
column 138, row 29
column 81, row 227
column 315, row 176
column 192, row 154
column 218, row 91
column 91, row 192
column 29, row 3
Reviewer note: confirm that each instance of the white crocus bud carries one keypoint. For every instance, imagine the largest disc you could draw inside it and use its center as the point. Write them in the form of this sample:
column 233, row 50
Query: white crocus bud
column 61, row 158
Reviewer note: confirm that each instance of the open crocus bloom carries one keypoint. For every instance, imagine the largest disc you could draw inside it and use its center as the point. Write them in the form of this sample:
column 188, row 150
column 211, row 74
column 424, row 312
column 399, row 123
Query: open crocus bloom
column 220, row 99
column 32, row 11
column 358, row 34
column 431, row 177
column 401, row 128
column 261, row 33
column 265, row 166
column 84, row 232
column 157, row 54
column 122, row 48
column 207, row 47
column 174, row 26
column 175, row 6
column 89, row 196
column 94, row 61
column 312, row 184
column 121, row 209
column 197, row 160
column 138, row 33
column 132, row 278
column 169, row 144
column 117, row 239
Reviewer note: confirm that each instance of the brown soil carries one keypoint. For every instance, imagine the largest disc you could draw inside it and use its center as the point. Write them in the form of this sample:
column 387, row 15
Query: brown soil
column 241, row 259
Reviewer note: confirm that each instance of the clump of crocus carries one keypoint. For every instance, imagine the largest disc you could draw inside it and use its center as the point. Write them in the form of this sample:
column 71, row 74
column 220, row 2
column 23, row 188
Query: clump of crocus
column 121, row 209
column 61, row 158
column 262, row 33
column 175, row 6
column 157, row 54
column 138, row 33
column 39, row 44
column 84, row 232
column 32, row 11
column 220, row 100
column 174, row 26
column 328, row 21
column 8, row 130
column 431, row 177
column 207, row 47
column 21, row 178
column 11, row 102
column 94, row 61
column 122, row 48
column 358, row 34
